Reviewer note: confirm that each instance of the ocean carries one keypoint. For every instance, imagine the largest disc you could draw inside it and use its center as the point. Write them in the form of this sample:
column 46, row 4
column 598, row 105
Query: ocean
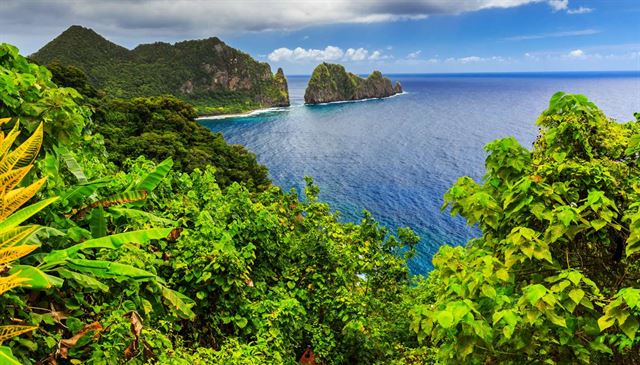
column 396, row 157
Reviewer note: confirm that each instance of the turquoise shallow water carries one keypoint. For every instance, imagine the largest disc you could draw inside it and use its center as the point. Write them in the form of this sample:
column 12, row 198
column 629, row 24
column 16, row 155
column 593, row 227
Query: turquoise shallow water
column 396, row 157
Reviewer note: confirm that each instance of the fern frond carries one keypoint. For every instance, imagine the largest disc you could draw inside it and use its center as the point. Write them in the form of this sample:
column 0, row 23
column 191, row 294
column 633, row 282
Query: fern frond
column 7, row 332
column 4, row 121
column 14, row 199
column 24, row 154
column 9, row 282
column 15, row 235
column 13, row 253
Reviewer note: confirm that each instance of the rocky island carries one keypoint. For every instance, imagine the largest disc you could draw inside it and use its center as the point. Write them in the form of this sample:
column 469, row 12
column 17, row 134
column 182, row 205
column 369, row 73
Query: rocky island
column 331, row 82
column 215, row 78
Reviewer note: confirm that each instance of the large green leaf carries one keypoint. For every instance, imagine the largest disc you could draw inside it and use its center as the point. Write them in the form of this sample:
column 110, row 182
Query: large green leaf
column 98, row 223
column 6, row 356
column 74, row 167
column 37, row 278
column 84, row 280
column 154, row 177
column 84, row 190
column 112, row 242
column 107, row 269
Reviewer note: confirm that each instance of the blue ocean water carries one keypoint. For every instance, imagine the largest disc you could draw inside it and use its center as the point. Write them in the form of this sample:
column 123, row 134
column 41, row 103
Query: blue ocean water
column 396, row 157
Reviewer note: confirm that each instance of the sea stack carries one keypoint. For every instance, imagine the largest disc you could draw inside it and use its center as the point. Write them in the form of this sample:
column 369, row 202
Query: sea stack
column 331, row 82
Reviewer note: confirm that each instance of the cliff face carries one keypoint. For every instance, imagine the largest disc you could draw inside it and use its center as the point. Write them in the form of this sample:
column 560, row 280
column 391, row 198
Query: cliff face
column 213, row 76
column 330, row 82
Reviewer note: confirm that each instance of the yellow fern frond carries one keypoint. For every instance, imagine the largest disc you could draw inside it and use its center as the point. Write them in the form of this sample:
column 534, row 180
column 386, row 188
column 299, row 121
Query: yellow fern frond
column 9, row 139
column 24, row 154
column 12, row 200
column 13, row 253
column 4, row 121
column 13, row 177
column 7, row 332
column 9, row 282
column 15, row 235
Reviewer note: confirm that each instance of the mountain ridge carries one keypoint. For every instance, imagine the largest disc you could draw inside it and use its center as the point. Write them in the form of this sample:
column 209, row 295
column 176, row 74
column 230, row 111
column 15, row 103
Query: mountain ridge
column 208, row 73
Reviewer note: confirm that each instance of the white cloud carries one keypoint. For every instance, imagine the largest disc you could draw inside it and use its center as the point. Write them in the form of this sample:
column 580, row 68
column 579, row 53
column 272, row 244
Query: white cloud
column 376, row 55
column 329, row 53
column 414, row 55
column 580, row 10
column 572, row 33
column 558, row 5
column 356, row 54
column 577, row 53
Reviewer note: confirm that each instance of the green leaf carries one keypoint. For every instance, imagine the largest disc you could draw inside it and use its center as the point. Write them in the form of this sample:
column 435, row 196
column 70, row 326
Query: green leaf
column 630, row 327
column 112, row 242
column 98, row 223
column 74, row 167
column 6, row 357
column 605, row 322
column 107, row 269
column 37, row 278
column 535, row 292
column 153, row 178
column 242, row 322
column 179, row 302
column 445, row 319
column 576, row 295
column 598, row 224
column 84, row 280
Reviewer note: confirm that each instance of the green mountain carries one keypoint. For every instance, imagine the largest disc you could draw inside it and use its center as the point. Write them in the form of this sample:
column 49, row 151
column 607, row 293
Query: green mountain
column 214, row 77
column 331, row 82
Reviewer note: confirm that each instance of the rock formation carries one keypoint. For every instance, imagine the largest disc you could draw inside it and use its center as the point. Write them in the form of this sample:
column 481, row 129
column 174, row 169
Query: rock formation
column 331, row 82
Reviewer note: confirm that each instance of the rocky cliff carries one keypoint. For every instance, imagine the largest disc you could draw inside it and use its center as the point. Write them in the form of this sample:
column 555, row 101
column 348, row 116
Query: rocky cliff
column 331, row 82
column 214, row 77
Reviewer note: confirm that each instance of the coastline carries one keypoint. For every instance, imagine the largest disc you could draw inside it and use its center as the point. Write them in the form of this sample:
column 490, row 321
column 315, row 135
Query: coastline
column 285, row 108
column 358, row 100
column 244, row 114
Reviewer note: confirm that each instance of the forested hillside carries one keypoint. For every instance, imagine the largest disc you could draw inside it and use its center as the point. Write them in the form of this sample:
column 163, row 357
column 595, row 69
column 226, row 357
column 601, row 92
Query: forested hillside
column 159, row 262
column 214, row 77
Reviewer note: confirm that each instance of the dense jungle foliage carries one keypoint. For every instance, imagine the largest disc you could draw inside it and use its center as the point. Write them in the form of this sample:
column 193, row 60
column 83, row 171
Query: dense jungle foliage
column 142, row 263
column 214, row 77
column 162, row 127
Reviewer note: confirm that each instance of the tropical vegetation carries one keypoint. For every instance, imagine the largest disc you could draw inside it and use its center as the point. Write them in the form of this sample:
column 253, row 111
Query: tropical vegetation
column 115, row 254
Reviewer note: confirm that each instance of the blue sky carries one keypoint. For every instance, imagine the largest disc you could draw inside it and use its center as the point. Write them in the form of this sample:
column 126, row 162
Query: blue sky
column 402, row 36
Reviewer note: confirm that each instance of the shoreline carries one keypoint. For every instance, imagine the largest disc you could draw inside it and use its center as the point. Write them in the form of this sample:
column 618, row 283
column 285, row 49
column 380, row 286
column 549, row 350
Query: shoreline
column 244, row 114
column 285, row 108
column 357, row 100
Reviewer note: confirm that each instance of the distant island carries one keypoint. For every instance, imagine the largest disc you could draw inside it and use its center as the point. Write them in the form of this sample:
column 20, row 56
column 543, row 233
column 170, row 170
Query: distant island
column 331, row 82
column 215, row 78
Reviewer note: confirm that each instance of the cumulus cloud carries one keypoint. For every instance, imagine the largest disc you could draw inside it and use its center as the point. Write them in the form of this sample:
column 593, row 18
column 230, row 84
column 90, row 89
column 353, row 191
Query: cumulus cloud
column 558, row 5
column 577, row 53
column 329, row 53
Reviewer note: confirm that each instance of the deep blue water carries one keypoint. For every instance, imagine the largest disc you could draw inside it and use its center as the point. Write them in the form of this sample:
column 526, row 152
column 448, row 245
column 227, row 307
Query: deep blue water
column 396, row 157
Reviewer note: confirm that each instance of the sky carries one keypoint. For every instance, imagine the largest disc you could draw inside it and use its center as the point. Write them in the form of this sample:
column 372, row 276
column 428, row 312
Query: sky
column 394, row 36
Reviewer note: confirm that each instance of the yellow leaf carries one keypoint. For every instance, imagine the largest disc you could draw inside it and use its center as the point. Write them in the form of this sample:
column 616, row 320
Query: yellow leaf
column 10, row 282
column 6, row 332
column 13, row 253
column 15, row 235
column 14, row 199
column 24, row 154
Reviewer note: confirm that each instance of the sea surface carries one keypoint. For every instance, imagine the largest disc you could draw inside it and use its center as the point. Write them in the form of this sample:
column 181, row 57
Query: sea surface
column 396, row 157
